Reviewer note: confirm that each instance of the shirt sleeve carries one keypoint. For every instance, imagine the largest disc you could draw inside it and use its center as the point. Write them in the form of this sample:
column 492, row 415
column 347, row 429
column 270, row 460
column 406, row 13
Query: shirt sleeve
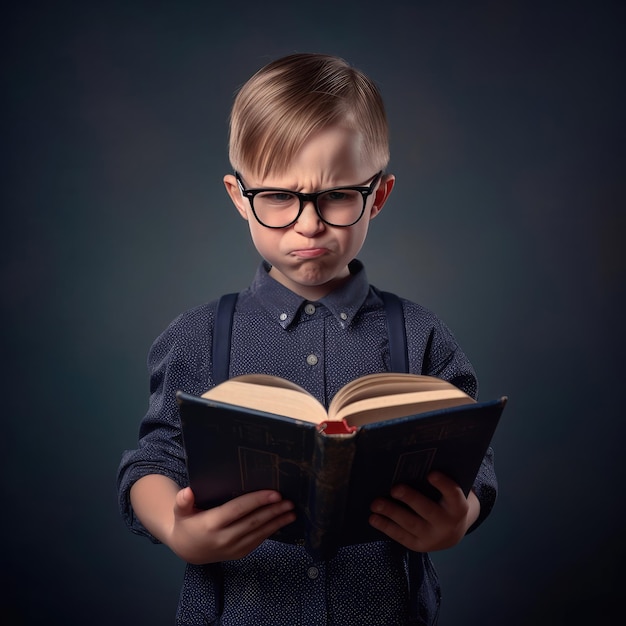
column 179, row 359
column 434, row 351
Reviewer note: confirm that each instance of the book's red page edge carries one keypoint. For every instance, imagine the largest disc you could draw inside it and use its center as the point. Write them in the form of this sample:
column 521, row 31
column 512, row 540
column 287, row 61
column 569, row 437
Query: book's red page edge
column 337, row 427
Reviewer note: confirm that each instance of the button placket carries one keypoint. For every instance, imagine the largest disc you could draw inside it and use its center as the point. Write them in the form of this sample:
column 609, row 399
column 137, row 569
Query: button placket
column 313, row 572
column 313, row 597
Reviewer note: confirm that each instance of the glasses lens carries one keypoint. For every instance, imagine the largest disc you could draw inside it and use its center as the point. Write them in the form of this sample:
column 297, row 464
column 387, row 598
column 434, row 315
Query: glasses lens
column 338, row 207
column 276, row 208
column 341, row 207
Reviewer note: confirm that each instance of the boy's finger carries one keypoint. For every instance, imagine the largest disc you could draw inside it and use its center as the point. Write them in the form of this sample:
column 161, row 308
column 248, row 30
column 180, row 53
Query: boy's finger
column 451, row 492
column 184, row 502
column 240, row 507
column 415, row 500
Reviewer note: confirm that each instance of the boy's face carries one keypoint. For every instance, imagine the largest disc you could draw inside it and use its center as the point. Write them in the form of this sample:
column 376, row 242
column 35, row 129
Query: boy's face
column 309, row 256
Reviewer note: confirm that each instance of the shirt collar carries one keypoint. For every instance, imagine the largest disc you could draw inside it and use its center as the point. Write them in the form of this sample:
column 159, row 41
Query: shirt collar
column 283, row 304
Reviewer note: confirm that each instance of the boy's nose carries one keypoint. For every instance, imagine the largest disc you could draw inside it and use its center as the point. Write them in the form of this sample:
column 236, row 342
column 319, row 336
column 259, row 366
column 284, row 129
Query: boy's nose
column 309, row 222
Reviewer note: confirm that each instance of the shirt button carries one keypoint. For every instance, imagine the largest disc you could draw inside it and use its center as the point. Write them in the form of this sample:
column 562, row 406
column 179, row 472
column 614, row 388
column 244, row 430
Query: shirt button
column 283, row 317
column 311, row 359
column 343, row 316
column 313, row 573
column 309, row 309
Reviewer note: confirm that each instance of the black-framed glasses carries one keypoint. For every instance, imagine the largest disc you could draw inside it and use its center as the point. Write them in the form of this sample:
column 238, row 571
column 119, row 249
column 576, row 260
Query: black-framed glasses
column 279, row 208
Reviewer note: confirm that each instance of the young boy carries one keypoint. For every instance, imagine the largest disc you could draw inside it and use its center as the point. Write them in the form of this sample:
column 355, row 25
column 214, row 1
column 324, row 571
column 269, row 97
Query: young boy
column 309, row 147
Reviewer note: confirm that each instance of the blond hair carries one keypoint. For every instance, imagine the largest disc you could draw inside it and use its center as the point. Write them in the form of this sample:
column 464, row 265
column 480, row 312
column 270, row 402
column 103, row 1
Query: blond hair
column 290, row 99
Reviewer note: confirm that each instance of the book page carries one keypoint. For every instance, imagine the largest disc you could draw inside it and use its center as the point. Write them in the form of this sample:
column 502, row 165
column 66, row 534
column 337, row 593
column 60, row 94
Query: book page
column 270, row 394
column 378, row 409
column 388, row 384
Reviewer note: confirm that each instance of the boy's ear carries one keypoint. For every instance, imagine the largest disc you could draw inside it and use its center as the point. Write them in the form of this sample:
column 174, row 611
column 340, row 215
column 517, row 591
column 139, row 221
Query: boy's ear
column 241, row 204
column 382, row 193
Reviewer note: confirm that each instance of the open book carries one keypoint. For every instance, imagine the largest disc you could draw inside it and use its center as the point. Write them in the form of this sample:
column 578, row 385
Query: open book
column 262, row 432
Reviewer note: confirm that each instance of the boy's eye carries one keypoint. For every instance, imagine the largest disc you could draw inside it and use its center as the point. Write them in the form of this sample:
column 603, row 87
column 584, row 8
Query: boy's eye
column 343, row 196
column 277, row 197
column 336, row 196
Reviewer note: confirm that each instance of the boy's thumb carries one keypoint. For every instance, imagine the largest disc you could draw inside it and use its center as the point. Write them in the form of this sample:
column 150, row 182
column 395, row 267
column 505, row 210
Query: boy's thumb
column 184, row 500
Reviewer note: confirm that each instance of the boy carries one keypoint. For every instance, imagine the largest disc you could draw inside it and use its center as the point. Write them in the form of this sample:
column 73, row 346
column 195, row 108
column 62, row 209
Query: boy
column 309, row 147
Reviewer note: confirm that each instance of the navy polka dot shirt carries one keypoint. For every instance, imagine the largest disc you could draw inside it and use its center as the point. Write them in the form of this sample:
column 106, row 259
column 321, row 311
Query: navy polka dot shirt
column 321, row 346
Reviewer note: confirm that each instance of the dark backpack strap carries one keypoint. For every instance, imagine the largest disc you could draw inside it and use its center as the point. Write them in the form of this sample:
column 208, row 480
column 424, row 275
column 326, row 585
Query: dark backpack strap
column 222, row 330
column 396, row 332
column 399, row 362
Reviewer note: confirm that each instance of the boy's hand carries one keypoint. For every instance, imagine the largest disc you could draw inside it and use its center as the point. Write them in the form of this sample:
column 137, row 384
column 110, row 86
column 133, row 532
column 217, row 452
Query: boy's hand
column 227, row 532
column 424, row 525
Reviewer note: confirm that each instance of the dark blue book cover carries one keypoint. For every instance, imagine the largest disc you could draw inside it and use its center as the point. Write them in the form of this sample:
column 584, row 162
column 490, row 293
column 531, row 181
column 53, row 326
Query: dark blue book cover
column 331, row 478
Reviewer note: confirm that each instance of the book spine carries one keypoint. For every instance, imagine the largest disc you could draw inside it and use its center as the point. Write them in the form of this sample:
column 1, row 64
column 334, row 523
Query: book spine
column 331, row 468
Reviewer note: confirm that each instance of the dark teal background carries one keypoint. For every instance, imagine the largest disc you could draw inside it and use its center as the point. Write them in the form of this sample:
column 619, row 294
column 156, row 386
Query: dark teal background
column 508, row 217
